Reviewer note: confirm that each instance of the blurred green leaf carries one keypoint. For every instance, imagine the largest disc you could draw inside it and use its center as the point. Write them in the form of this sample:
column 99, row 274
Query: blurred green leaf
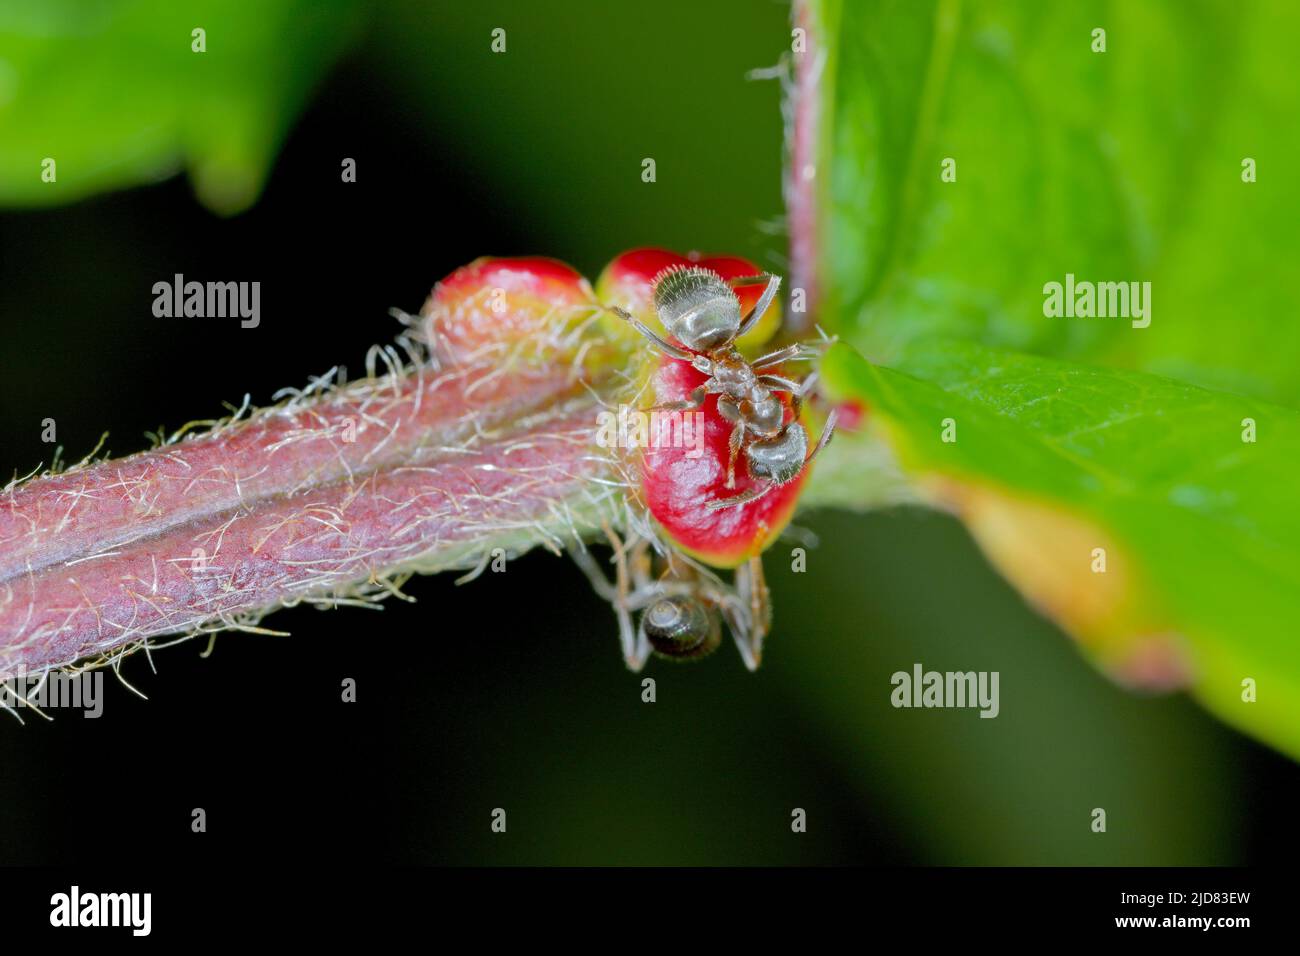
column 1114, row 166
column 114, row 93
column 1046, row 461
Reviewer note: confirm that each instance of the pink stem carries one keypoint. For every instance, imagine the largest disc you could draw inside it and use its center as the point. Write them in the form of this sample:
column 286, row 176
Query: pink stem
column 327, row 496
column 801, row 173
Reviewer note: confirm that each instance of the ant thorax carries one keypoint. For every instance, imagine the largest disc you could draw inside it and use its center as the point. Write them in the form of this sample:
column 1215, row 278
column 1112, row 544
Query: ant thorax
column 734, row 375
column 742, row 397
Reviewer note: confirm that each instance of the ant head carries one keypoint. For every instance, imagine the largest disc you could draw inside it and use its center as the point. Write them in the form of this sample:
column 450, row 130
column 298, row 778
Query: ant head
column 682, row 628
column 697, row 306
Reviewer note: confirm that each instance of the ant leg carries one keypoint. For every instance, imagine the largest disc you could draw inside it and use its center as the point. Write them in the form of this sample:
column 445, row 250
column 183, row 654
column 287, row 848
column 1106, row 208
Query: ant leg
column 758, row 278
column 695, row 401
column 747, row 608
column 743, row 498
column 733, row 602
column 637, row 598
column 797, row 390
column 635, row 648
column 639, row 563
column 825, row 440
column 733, row 450
column 599, row 583
column 761, row 601
column 764, row 300
column 742, row 634
column 779, row 383
column 633, row 654
column 791, row 353
column 671, row 351
column 645, row 590
column 752, row 587
column 728, row 408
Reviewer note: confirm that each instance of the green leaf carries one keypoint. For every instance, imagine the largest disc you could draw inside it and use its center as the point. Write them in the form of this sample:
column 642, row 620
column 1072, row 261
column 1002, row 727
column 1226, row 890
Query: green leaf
column 1047, row 461
column 1123, row 165
column 115, row 94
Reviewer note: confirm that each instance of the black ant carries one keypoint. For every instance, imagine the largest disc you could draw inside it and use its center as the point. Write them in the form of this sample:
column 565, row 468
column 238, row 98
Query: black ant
column 698, row 308
column 682, row 603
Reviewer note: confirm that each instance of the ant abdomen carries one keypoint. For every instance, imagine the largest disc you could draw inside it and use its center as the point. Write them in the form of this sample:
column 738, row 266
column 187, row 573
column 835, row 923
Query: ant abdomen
column 764, row 417
column 778, row 459
column 681, row 628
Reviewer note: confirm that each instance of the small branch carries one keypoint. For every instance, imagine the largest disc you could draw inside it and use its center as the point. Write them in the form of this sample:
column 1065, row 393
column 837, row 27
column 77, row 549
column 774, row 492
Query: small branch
column 335, row 495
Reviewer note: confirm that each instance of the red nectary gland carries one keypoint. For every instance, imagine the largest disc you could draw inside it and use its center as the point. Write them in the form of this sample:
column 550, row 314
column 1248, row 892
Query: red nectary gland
column 680, row 482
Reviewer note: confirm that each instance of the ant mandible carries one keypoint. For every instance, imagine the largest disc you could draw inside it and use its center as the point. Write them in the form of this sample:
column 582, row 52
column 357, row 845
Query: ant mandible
column 698, row 308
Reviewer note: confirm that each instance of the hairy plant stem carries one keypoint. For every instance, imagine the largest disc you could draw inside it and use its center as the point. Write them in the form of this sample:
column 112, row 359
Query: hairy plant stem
column 334, row 496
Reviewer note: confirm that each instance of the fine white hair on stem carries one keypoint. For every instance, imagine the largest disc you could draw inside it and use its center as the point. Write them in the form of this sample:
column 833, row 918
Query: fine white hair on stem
column 441, row 456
